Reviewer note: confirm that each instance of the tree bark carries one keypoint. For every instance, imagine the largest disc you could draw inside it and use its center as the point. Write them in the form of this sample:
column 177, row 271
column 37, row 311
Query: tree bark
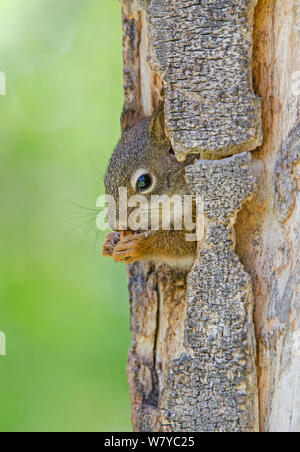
column 268, row 226
column 194, row 363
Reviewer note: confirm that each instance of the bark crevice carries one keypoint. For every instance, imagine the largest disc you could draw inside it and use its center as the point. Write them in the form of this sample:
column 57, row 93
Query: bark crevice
column 167, row 380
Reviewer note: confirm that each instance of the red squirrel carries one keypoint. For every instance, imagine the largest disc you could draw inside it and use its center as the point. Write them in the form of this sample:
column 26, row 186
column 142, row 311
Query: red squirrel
column 144, row 162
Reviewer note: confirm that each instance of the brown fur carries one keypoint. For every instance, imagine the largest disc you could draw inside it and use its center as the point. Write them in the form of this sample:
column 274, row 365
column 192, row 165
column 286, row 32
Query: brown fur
column 146, row 146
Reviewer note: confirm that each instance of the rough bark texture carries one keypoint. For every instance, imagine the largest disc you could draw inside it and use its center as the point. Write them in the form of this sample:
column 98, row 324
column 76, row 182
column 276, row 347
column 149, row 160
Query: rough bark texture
column 142, row 86
column 212, row 386
column 268, row 227
column 158, row 306
column 202, row 50
column 191, row 363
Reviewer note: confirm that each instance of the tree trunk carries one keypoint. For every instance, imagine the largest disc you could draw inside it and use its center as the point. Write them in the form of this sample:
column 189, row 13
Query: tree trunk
column 194, row 363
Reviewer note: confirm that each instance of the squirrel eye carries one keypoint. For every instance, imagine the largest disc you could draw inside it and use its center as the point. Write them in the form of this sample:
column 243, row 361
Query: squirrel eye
column 144, row 182
column 171, row 151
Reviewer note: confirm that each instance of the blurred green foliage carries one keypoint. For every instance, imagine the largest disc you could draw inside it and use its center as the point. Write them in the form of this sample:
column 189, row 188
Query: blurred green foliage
column 63, row 307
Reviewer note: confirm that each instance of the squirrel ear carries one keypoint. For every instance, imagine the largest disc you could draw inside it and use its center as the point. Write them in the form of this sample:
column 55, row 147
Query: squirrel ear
column 157, row 125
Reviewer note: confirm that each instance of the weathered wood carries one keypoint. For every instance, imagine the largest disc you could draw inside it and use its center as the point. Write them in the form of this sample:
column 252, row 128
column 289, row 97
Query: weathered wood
column 192, row 360
column 268, row 226
column 203, row 52
column 142, row 86
column 167, row 329
column 211, row 386
column 158, row 305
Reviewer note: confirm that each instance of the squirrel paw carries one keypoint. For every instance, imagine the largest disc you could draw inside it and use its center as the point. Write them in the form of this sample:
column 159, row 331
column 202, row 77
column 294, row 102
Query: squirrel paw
column 126, row 249
column 110, row 243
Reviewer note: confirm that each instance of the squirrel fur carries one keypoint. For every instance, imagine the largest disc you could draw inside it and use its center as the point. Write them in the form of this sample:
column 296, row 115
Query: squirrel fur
column 145, row 148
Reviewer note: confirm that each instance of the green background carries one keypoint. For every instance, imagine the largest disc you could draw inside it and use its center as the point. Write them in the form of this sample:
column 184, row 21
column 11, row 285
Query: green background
column 63, row 307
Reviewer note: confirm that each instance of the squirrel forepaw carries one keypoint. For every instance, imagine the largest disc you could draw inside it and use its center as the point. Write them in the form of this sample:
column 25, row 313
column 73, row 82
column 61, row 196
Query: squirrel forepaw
column 126, row 249
column 110, row 242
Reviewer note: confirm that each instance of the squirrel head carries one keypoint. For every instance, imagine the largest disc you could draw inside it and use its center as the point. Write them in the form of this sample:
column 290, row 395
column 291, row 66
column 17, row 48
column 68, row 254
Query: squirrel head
column 145, row 164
